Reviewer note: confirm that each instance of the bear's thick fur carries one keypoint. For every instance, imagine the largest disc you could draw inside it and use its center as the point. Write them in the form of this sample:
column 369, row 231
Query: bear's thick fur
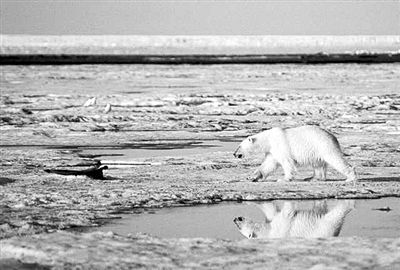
column 292, row 147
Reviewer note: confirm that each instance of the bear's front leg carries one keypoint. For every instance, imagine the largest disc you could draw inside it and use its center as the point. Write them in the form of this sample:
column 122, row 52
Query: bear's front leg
column 319, row 174
column 257, row 175
column 268, row 166
column 288, row 170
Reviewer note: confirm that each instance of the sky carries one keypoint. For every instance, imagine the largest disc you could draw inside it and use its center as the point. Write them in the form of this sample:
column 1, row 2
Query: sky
column 200, row 17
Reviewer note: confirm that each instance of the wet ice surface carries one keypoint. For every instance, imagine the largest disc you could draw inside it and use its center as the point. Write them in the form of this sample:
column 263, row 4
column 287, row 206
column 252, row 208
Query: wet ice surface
column 216, row 221
column 137, row 81
column 127, row 154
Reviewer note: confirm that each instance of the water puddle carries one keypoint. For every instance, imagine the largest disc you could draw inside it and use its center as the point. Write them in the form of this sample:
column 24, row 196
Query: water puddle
column 364, row 218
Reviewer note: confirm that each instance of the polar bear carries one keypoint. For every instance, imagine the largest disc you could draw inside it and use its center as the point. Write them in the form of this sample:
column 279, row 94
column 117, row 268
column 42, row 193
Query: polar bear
column 314, row 223
column 292, row 147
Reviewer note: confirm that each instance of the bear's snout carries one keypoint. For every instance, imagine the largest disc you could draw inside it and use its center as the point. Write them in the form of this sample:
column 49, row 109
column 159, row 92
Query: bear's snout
column 237, row 220
column 237, row 154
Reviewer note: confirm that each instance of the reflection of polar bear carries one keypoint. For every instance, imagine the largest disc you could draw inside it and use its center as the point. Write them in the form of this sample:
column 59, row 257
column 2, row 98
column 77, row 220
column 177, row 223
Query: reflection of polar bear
column 301, row 146
column 289, row 222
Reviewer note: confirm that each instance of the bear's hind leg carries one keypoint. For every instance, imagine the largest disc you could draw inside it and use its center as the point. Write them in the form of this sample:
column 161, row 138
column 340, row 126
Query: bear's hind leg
column 320, row 173
column 351, row 175
column 268, row 166
column 339, row 164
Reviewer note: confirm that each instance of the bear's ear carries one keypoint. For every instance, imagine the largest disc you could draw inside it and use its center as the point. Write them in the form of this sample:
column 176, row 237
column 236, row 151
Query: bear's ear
column 252, row 139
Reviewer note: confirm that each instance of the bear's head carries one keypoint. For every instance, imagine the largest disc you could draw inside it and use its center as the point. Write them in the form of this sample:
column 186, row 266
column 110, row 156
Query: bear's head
column 245, row 226
column 249, row 228
column 246, row 147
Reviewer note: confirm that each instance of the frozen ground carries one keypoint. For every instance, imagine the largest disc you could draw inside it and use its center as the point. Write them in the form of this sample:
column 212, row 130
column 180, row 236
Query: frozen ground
column 107, row 251
column 44, row 125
